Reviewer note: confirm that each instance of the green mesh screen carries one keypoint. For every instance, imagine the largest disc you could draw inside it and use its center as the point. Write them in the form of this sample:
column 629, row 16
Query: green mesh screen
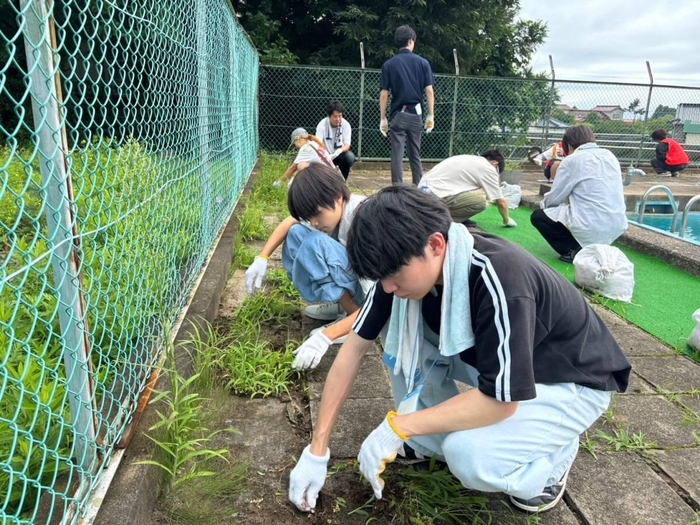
column 127, row 132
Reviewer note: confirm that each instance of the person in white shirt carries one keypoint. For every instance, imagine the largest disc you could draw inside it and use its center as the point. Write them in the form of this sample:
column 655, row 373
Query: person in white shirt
column 462, row 181
column 311, row 151
column 590, row 179
column 335, row 133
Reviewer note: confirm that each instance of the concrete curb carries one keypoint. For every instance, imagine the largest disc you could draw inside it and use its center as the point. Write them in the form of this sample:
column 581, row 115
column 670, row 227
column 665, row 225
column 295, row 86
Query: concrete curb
column 135, row 488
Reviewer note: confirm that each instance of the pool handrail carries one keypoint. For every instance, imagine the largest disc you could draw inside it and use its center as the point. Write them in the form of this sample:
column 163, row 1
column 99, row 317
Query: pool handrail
column 674, row 205
column 684, row 219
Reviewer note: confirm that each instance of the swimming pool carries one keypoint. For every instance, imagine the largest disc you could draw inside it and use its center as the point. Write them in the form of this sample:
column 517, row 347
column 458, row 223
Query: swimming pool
column 662, row 222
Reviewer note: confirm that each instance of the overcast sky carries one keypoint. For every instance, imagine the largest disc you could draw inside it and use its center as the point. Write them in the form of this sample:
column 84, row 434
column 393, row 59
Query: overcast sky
column 612, row 39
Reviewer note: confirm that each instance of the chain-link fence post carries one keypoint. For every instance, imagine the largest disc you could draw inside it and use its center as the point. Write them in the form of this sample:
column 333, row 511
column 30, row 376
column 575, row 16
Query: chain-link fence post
column 362, row 100
column 646, row 113
column 203, row 112
column 454, row 104
column 550, row 102
column 48, row 125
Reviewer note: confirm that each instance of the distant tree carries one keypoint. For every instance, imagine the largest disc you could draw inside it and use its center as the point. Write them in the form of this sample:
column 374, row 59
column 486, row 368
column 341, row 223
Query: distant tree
column 636, row 109
column 662, row 111
column 593, row 118
column 562, row 116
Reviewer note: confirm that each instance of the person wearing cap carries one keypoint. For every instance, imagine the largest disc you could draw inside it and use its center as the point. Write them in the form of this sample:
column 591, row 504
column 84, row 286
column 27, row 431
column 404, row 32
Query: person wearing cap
column 311, row 151
column 336, row 134
column 407, row 75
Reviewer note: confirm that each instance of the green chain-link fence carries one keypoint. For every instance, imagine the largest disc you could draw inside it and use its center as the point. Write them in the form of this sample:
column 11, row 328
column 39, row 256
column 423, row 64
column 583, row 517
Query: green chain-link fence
column 476, row 113
column 128, row 130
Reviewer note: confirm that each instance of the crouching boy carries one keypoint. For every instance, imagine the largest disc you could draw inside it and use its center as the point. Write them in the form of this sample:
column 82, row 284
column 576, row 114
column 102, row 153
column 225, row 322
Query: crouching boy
column 315, row 258
column 480, row 310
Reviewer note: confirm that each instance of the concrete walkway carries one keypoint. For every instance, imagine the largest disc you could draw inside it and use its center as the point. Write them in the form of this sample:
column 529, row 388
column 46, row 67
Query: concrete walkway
column 648, row 472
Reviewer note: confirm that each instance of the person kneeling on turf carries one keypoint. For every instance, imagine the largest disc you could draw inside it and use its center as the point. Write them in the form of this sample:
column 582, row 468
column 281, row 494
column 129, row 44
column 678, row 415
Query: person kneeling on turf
column 315, row 258
column 452, row 306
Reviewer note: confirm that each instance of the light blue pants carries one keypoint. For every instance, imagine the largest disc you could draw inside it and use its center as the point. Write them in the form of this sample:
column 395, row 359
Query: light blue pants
column 318, row 266
column 518, row 456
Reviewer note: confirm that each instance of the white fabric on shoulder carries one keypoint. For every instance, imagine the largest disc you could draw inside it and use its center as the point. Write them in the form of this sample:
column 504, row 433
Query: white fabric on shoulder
column 404, row 336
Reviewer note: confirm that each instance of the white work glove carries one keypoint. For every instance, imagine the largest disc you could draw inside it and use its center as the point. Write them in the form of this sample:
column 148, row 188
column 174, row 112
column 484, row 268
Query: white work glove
column 254, row 275
column 537, row 160
column 277, row 184
column 307, row 479
column 384, row 127
column 511, row 223
column 336, row 153
column 309, row 354
column 379, row 449
column 429, row 123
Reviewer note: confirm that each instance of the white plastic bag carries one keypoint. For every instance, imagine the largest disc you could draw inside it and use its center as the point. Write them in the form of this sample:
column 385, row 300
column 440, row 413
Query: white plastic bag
column 512, row 194
column 606, row 270
column 694, row 339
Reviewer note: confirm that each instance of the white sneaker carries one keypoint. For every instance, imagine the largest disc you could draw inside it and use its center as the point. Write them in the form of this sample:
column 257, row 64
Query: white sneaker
column 338, row 341
column 324, row 311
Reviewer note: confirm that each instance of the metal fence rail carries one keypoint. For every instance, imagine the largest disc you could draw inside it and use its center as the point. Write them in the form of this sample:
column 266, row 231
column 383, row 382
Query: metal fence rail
column 476, row 113
column 128, row 131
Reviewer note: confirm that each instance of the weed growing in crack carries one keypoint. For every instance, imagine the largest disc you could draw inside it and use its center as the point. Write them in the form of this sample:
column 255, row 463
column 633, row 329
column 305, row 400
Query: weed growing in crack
column 622, row 440
column 179, row 435
column 589, row 445
column 207, row 500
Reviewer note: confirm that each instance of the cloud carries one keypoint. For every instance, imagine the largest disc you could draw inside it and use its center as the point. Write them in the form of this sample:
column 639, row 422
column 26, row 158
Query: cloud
column 612, row 39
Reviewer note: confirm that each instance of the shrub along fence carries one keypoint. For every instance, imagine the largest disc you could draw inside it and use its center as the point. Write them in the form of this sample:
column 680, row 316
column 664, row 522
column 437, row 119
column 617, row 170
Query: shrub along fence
column 129, row 132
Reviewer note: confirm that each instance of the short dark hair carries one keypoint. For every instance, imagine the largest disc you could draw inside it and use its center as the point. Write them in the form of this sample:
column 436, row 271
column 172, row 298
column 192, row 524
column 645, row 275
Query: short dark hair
column 316, row 186
column 658, row 134
column 335, row 105
column 577, row 136
column 494, row 154
column 391, row 227
column 402, row 35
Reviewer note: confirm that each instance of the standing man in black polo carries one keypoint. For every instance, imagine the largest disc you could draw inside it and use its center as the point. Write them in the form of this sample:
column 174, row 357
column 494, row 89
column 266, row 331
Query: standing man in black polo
column 407, row 76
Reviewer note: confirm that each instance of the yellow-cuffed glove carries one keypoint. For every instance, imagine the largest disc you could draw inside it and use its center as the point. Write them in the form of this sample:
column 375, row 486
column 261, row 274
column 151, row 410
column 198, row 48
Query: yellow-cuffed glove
column 379, row 449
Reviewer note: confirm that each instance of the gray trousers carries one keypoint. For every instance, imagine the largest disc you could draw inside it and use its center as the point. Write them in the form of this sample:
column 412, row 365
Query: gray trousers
column 405, row 126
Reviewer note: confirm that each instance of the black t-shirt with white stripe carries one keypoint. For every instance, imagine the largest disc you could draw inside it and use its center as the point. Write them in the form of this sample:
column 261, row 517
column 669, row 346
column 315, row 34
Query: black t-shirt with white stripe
column 531, row 326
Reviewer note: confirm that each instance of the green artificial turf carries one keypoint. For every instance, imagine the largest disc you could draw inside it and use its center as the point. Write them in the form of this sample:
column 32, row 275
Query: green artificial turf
column 664, row 297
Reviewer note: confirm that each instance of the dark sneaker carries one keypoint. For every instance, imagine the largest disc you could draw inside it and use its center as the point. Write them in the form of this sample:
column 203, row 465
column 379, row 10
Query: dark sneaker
column 547, row 500
column 470, row 223
column 674, row 174
column 568, row 257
